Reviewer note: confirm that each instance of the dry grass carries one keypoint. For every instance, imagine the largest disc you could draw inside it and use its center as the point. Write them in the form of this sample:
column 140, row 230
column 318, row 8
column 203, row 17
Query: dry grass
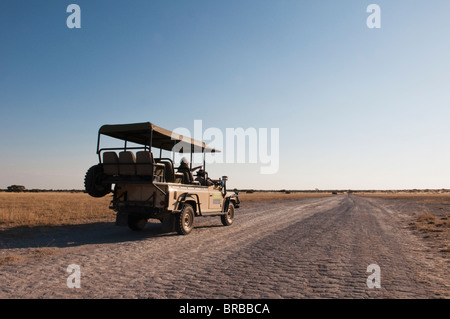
column 430, row 223
column 430, row 198
column 55, row 209
column 434, row 227
column 31, row 254
column 51, row 209
column 433, row 221
column 10, row 259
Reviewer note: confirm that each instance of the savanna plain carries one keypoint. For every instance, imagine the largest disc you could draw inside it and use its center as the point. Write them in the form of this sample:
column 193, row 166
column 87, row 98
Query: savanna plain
column 281, row 245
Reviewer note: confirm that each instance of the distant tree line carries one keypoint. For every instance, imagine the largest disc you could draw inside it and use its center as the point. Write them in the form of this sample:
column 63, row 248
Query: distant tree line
column 341, row 191
column 23, row 189
column 16, row 188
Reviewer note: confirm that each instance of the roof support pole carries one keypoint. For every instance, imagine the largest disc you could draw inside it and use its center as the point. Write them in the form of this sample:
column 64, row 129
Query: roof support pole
column 192, row 152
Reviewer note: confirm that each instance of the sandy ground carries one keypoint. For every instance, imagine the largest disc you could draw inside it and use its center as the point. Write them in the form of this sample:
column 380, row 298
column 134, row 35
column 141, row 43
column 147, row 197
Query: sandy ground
column 311, row 248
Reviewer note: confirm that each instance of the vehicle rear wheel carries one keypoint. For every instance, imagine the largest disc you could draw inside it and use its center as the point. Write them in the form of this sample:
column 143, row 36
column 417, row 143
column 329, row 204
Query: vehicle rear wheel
column 136, row 223
column 228, row 218
column 185, row 220
column 93, row 182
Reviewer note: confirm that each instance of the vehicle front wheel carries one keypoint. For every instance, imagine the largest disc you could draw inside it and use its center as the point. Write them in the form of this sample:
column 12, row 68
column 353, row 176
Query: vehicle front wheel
column 136, row 223
column 228, row 218
column 185, row 220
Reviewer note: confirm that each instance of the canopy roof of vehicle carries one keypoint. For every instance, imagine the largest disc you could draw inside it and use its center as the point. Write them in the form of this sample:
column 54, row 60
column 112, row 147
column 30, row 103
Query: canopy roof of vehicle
column 141, row 133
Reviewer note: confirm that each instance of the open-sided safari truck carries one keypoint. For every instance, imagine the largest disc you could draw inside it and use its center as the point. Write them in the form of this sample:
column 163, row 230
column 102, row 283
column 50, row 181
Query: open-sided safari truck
column 147, row 187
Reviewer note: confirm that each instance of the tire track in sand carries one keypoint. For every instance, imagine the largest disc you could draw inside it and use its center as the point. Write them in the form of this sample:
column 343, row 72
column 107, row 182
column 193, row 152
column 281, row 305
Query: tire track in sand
column 151, row 265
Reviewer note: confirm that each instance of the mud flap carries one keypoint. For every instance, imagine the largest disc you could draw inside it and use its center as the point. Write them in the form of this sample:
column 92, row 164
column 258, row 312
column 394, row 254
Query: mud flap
column 122, row 219
column 168, row 223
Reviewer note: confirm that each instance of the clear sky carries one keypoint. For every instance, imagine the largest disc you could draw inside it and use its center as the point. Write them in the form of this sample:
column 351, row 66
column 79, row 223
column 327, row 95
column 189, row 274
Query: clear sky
column 356, row 107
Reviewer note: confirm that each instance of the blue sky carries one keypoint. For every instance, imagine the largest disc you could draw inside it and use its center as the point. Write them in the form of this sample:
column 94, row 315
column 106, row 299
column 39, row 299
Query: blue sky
column 356, row 107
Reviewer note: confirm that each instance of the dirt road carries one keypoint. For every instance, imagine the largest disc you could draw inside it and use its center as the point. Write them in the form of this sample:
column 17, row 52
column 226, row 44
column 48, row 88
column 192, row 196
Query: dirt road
column 311, row 248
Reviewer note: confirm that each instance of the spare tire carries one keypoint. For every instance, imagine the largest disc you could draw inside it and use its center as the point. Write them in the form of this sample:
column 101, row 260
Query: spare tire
column 93, row 182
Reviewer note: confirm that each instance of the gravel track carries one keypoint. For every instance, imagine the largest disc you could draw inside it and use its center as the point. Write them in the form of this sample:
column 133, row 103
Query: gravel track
column 309, row 248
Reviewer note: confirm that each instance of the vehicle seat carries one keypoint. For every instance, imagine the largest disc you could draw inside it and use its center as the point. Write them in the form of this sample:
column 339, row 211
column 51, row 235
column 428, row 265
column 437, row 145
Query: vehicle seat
column 169, row 174
column 178, row 178
column 144, row 161
column 187, row 175
column 127, row 163
column 110, row 163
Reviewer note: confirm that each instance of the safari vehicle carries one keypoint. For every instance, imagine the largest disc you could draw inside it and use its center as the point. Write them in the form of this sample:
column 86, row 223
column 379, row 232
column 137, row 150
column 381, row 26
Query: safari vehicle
column 146, row 187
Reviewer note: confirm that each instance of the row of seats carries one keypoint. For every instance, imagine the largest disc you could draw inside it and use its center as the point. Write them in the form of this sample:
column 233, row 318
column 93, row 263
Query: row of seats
column 129, row 164
column 143, row 164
